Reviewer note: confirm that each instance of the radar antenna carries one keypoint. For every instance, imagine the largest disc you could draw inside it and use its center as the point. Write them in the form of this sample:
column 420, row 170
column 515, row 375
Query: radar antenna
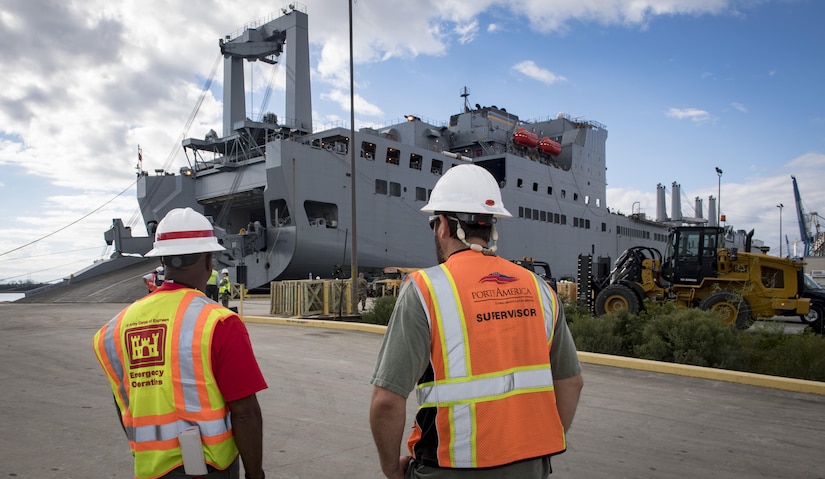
column 465, row 93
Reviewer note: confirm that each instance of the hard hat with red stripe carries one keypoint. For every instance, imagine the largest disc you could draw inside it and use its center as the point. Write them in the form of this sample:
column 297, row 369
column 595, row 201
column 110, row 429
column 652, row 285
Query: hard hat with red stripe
column 184, row 231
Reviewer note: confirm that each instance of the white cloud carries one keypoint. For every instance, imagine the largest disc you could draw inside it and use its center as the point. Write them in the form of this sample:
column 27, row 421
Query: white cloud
column 531, row 70
column 739, row 107
column 467, row 32
column 362, row 106
column 693, row 114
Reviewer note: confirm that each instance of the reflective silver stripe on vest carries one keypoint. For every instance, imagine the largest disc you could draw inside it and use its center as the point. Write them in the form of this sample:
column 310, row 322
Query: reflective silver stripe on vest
column 549, row 303
column 447, row 306
column 462, row 446
column 447, row 393
column 113, row 359
column 170, row 430
column 186, row 360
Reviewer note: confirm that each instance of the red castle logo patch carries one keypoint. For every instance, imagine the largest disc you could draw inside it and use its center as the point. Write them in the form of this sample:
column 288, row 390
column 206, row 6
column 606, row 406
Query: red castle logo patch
column 145, row 345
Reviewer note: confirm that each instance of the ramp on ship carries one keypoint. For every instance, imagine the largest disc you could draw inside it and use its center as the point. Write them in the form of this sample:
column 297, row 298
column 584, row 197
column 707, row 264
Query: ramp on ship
column 120, row 285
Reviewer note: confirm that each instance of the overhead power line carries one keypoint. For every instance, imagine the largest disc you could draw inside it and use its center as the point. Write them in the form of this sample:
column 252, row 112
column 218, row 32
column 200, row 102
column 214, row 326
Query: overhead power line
column 70, row 224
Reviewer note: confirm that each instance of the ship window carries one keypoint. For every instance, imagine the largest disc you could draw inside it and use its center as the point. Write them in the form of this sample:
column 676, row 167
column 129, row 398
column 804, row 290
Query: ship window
column 543, row 215
column 415, row 161
column 420, row 194
column 521, row 212
column 556, row 218
column 563, row 193
column 564, row 219
column 575, row 197
column 437, row 167
column 587, row 199
column 549, row 190
column 321, row 215
column 395, row 189
column 535, row 186
column 279, row 213
column 392, row 156
column 535, row 214
column 587, row 224
column 368, row 150
column 576, row 222
column 598, row 202
column 519, row 183
column 528, row 213
column 604, row 227
column 380, row 187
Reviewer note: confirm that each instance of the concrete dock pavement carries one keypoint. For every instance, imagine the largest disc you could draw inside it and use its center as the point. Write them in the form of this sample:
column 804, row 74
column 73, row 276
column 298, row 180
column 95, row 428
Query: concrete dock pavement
column 58, row 417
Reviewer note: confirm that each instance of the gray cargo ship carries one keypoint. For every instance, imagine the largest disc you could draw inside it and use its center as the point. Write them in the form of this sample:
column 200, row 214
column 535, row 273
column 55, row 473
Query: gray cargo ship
column 280, row 193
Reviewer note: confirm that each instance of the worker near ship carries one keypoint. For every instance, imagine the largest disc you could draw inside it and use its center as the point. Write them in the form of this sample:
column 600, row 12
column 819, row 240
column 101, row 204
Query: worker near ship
column 212, row 286
column 496, row 392
column 362, row 291
column 178, row 361
column 154, row 279
column 225, row 287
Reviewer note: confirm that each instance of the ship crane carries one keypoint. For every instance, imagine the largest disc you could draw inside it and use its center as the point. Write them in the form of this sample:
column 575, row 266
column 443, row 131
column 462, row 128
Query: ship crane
column 804, row 231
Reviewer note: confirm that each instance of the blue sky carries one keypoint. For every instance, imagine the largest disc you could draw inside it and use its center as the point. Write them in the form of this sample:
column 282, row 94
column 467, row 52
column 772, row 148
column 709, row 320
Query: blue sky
column 683, row 86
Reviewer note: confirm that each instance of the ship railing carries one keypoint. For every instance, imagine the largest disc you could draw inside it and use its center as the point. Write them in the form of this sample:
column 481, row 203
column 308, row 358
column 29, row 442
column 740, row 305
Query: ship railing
column 577, row 120
column 272, row 16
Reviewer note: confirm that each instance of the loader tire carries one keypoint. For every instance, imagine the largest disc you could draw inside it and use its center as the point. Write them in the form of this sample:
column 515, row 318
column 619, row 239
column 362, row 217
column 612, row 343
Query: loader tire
column 731, row 308
column 617, row 298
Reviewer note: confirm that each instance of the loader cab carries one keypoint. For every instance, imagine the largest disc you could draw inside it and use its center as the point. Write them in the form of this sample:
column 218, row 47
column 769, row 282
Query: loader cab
column 691, row 254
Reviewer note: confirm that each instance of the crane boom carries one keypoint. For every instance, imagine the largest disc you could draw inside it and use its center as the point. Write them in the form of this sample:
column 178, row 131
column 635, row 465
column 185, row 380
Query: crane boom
column 804, row 232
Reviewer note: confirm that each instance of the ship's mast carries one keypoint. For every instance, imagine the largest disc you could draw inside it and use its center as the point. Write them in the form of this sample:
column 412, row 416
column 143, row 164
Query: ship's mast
column 265, row 43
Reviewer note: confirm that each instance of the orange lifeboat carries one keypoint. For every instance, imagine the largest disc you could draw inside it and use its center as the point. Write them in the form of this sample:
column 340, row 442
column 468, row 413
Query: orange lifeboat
column 525, row 138
column 549, row 147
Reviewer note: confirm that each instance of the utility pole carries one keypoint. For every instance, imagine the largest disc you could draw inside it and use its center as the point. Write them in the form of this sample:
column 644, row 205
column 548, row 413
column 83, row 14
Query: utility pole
column 780, row 206
column 719, row 196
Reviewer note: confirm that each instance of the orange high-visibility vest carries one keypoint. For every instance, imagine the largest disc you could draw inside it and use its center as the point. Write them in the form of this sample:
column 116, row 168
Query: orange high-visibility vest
column 487, row 397
column 157, row 356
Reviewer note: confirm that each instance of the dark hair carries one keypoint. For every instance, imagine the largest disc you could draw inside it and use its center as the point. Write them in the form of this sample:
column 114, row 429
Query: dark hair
column 181, row 260
column 471, row 230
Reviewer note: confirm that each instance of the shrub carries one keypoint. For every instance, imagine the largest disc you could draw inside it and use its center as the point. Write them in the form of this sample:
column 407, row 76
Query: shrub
column 380, row 312
column 770, row 351
column 690, row 336
column 598, row 335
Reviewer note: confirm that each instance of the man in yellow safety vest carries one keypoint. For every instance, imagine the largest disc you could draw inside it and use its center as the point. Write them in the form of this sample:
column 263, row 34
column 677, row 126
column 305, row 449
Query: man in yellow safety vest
column 180, row 365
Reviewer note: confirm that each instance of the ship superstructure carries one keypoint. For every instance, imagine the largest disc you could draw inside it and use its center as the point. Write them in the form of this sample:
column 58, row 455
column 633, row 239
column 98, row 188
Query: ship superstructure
column 280, row 194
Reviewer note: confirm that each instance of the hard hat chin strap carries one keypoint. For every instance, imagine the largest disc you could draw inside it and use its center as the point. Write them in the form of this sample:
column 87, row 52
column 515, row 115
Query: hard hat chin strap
column 491, row 251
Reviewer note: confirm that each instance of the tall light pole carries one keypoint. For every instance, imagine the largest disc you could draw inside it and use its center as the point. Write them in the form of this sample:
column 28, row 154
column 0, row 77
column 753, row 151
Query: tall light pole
column 354, row 266
column 780, row 206
column 719, row 197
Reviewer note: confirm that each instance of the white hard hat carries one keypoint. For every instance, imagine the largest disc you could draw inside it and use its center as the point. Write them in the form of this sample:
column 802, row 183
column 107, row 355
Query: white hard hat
column 224, row 271
column 159, row 269
column 184, row 231
column 467, row 189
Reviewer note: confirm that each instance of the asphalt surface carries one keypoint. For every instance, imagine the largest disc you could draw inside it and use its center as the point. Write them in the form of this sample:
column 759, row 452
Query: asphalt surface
column 58, row 418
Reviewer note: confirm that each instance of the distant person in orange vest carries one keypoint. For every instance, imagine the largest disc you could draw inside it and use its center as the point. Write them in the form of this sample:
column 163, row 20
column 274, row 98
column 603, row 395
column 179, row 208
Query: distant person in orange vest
column 484, row 343
column 154, row 279
column 176, row 360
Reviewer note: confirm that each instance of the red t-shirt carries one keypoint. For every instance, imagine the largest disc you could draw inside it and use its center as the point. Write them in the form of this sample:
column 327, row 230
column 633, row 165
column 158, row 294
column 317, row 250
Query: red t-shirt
column 233, row 363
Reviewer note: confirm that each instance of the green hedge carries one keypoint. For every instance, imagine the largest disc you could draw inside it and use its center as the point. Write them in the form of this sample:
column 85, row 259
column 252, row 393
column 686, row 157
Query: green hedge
column 663, row 332
column 695, row 337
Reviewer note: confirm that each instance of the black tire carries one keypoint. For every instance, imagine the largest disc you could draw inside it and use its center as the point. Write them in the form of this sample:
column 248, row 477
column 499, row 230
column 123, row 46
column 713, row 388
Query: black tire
column 815, row 315
column 617, row 298
column 731, row 308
